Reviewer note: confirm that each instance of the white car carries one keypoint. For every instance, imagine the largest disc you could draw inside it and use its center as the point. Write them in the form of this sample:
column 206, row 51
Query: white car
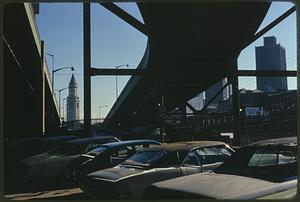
column 129, row 179
column 258, row 170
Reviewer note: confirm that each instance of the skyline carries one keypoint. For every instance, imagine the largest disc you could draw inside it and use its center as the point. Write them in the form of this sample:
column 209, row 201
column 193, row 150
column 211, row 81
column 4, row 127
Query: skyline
column 114, row 42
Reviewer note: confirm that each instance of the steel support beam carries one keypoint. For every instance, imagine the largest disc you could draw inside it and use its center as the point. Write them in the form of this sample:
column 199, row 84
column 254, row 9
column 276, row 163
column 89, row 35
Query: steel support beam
column 87, row 66
column 161, row 106
column 214, row 97
column 267, row 73
column 43, row 88
column 183, row 114
column 235, row 104
column 191, row 107
column 113, row 71
column 161, row 117
column 150, row 95
column 271, row 25
column 125, row 16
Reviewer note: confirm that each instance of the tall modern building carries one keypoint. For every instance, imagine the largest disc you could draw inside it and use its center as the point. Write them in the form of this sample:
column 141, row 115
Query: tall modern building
column 72, row 101
column 270, row 56
column 212, row 91
column 198, row 102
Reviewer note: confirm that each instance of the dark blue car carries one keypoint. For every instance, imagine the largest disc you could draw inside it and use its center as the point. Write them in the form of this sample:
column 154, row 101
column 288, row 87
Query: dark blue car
column 106, row 156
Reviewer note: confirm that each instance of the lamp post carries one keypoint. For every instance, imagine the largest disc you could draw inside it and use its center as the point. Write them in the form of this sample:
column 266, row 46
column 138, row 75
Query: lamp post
column 117, row 78
column 52, row 56
column 59, row 91
column 55, row 70
column 100, row 110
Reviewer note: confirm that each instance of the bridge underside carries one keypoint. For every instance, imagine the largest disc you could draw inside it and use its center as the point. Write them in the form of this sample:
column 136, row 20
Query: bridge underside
column 190, row 47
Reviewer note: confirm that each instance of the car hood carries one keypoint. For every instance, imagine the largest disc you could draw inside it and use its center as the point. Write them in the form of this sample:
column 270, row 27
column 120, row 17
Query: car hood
column 118, row 173
column 212, row 185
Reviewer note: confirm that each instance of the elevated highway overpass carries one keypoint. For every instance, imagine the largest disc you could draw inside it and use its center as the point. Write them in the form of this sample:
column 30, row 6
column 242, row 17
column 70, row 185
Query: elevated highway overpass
column 190, row 47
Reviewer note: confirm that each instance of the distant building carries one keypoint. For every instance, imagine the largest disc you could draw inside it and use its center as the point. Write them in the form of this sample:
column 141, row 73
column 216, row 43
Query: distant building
column 197, row 102
column 227, row 92
column 200, row 100
column 213, row 90
column 275, row 104
column 271, row 56
column 210, row 93
column 72, row 101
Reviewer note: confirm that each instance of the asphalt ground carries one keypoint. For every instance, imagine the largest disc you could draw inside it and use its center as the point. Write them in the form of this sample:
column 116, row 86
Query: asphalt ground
column 62, row 194
column 16, row 189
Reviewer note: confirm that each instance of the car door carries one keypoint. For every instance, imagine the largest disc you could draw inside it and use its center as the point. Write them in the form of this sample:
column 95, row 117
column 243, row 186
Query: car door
column 191, row 164
column 58, row 163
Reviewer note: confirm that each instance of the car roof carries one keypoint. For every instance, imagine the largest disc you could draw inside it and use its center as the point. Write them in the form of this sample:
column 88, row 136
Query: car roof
column 54, row 138
column 90, row 139
column 183, row 146
column 287, row 141
column 129, row 143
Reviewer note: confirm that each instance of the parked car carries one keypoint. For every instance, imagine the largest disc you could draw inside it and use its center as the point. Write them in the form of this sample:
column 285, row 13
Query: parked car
column 24, row 148
column 130, row 178
column 54, row 163
column 106, row 156
column 251, row 172
column 211, row 186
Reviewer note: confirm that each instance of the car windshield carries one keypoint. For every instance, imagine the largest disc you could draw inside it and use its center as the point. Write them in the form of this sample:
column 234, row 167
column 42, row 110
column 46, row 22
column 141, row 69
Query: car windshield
column 270, row 164
column 144, row 158
column 97, row 151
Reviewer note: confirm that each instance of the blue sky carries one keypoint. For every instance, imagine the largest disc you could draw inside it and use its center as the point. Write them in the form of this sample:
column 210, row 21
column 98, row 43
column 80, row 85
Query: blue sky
column 285, row 33
column 114, row 42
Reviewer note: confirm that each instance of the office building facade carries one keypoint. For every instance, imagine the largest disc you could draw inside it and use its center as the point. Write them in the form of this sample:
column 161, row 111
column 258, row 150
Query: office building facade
column 271, row 56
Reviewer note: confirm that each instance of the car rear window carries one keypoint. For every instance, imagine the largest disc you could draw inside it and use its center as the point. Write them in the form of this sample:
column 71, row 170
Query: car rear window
column 146, row 158
column 271, row 157
column 286, row 157
column 271, row 164
column 210, row 155
column 263, row 158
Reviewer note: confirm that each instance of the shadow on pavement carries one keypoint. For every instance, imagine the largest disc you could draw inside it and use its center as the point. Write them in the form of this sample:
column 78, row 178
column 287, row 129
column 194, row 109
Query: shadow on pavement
column 17, row 186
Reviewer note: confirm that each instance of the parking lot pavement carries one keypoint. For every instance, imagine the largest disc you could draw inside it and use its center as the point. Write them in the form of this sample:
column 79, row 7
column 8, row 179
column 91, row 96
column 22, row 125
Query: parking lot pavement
column 16, row 189
column 63, row 194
